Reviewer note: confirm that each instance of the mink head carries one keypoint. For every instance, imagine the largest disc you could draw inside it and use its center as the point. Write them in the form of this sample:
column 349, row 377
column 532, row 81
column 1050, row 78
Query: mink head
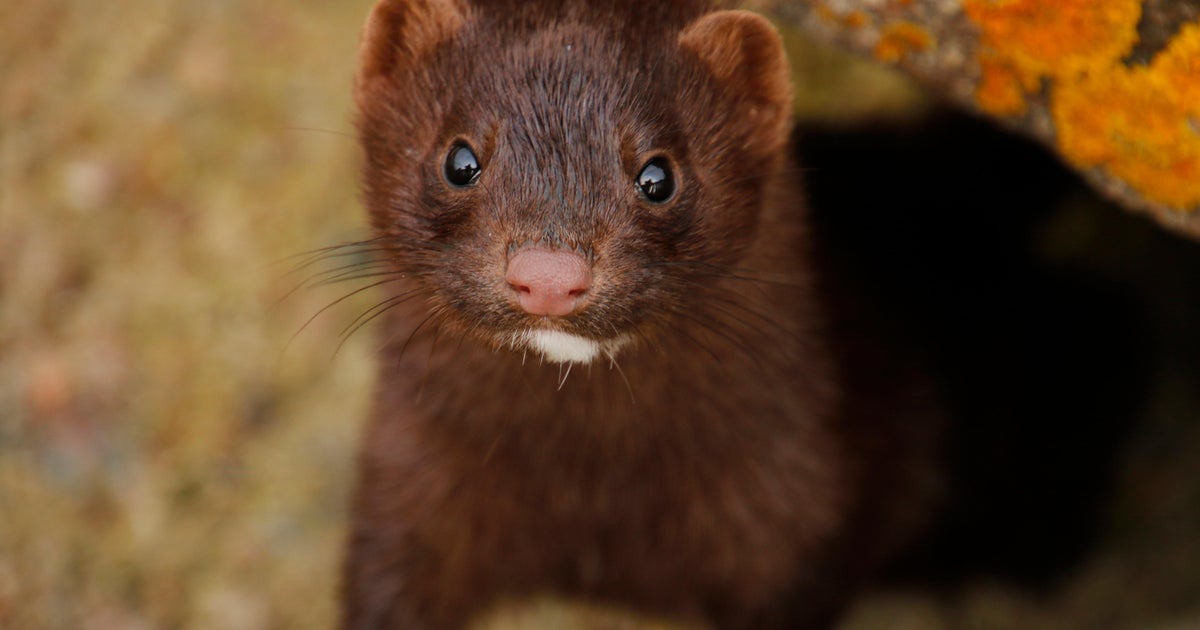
column 567, row 178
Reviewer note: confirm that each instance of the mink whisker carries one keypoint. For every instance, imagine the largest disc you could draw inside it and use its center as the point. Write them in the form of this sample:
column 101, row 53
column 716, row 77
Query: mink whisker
column 713, row 327
column 612, row 363
column 683, row 332
column 439, row 311
column 335, row 303
column 390, row 304
column 563, row 377
column 433, row 313
column 371, row 313
column 340, row 250
column 443, row 312
column 361, row 275
column 718, row 297
column 345, row 275
column 357, row 265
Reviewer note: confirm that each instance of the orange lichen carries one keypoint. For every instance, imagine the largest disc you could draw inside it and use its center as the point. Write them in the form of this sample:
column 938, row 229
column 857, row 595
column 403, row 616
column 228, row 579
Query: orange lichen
column 1058, row 38
column 1035, row 39
column 999, row 89
column 1179, row 67
column 900, row 38
column 1142, row 124
column 1139, row 123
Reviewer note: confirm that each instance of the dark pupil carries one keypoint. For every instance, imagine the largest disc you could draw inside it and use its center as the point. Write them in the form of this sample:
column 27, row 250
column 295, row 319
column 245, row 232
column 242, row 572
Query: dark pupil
column 462, row 167
column 655, row 181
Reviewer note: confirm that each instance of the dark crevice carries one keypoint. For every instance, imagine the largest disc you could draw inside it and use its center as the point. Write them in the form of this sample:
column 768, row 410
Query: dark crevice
column 1046, row 365
column 1161, row 21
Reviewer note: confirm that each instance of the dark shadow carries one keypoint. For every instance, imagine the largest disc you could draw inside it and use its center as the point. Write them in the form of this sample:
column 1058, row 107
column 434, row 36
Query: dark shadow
column 1045, row 366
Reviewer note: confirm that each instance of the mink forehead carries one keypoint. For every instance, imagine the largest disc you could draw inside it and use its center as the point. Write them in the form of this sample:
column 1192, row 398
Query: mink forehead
column 568, row 81
column 637, row 20
column 570, row 105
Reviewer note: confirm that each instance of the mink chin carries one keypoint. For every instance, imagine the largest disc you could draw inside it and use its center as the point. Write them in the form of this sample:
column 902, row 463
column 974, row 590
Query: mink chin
column 609, row 184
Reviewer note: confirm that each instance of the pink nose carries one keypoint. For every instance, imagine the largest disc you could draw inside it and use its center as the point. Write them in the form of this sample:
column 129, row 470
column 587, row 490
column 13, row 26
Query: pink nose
column 548, row 282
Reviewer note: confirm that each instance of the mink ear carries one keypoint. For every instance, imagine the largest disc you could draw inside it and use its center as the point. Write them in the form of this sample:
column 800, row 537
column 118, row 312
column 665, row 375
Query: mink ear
column 744, row 51
column 398, row 32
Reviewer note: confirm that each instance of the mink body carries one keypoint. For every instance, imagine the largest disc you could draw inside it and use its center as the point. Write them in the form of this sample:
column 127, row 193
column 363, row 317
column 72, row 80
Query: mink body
column 731, row 452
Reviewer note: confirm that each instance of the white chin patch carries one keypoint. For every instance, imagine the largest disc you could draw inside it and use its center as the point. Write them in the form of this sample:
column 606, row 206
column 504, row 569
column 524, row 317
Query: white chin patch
column 561, row 347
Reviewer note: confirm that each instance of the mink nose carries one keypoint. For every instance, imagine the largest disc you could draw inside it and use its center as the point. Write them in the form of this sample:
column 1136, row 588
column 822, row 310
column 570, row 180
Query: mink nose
column 548, row 282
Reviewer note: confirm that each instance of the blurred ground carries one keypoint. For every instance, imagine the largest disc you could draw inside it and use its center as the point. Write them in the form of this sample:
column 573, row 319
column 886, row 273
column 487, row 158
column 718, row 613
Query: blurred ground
column 170, row 457
column 166, row 460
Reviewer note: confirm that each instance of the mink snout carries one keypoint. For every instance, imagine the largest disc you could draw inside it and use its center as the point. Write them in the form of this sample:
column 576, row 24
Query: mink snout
column 550, row 282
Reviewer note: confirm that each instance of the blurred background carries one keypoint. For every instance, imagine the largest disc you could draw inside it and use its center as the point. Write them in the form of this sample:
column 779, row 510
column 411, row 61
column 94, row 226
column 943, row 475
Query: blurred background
column 178, row 424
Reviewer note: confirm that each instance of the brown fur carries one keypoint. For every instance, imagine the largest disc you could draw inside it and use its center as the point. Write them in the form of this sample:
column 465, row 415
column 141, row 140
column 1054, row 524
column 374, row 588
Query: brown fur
column 721, row 469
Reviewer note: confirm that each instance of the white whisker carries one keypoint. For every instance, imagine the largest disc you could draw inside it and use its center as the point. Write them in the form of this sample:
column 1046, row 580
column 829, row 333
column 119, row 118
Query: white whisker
column 563, row 377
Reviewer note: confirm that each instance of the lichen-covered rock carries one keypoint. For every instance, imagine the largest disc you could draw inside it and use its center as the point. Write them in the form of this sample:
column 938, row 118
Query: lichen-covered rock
column 1113, row 87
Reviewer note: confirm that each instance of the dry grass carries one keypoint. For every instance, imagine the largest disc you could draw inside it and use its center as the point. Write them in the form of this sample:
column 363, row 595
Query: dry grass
column 167, row 458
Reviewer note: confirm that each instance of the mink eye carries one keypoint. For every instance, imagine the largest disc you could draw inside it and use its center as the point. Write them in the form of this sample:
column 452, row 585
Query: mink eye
column 462, row 167
column 655, row 181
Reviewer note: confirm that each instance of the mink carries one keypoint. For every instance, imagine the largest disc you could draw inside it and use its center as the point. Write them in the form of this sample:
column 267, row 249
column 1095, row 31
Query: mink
column 614, row 371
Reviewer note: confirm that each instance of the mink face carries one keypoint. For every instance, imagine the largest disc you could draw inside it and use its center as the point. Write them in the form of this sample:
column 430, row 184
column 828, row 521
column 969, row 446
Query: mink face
column 610, row 141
